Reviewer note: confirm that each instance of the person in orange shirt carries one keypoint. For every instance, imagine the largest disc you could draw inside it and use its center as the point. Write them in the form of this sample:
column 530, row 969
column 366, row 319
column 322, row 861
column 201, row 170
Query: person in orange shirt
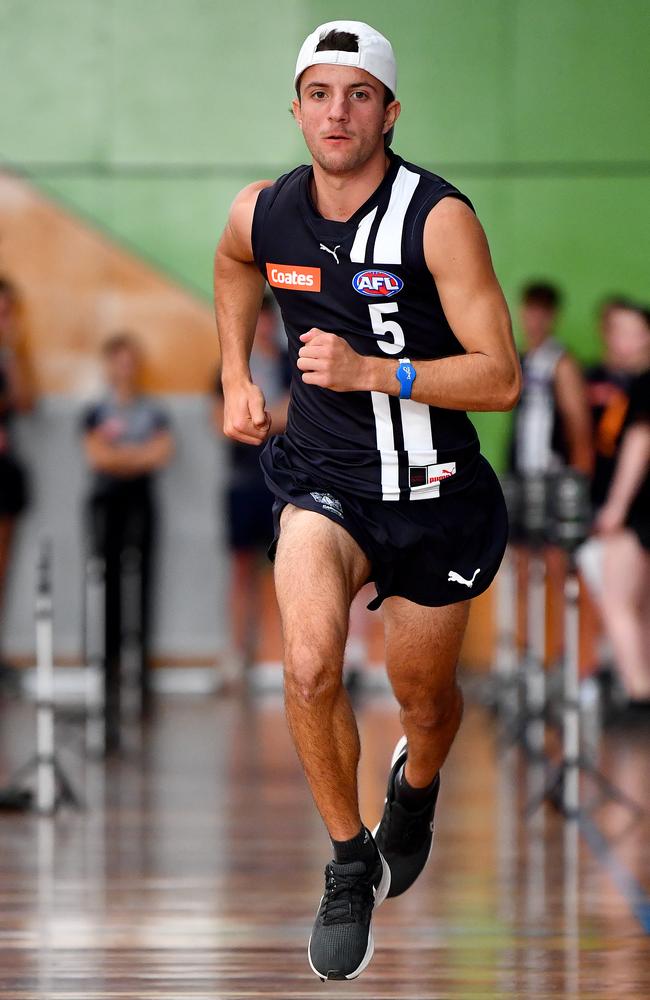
column 626, row 353
column 623, row 521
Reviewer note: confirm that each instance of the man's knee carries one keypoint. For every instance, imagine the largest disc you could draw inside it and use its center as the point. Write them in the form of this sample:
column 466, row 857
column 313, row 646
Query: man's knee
column 434, row 711
column 311, row 676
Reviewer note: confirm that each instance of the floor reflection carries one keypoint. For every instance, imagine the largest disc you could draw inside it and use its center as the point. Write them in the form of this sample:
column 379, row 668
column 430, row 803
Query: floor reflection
column 196, row 866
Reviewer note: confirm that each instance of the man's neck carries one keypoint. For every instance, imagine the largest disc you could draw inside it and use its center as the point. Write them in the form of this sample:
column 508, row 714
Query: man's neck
column 338, row 196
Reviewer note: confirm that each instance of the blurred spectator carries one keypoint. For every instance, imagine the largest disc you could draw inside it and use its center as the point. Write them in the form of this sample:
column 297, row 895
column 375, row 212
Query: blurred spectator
column 249, row 503
column 15, row 397
column 126, row 441
column 626, row 353
column 624, row 523
column 552, row 427
column 552, row 430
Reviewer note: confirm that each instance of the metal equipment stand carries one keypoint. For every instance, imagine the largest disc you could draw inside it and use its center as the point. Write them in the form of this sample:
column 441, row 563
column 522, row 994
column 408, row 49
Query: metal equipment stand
column 131, row 661
column 53, row 787
column 569, row 523
column 94, row 653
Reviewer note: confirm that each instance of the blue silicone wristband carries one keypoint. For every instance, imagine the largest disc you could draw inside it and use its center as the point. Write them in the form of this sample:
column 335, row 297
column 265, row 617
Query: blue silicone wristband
column 405, row 375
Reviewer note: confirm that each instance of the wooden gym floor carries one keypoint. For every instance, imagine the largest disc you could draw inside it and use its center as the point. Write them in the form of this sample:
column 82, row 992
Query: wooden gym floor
column 195, row 870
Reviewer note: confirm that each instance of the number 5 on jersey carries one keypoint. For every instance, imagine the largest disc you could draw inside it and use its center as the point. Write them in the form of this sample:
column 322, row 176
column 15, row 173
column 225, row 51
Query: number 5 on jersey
column 387, row 327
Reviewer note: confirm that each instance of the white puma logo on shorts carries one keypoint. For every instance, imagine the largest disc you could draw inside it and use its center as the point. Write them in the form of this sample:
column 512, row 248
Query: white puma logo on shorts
column 455, row 577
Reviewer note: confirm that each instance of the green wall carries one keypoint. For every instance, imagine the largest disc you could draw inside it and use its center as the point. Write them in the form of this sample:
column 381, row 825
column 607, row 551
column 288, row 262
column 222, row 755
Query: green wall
column 148, row 115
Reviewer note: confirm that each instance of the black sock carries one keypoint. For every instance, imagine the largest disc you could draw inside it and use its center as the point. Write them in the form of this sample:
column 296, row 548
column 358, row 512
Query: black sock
column 359, row 848
column 413, row 799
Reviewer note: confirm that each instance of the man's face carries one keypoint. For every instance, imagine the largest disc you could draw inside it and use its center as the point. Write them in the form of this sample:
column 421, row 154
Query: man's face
column 537, row 321
column 342, row 116
column 122, row 367
column 627, row 340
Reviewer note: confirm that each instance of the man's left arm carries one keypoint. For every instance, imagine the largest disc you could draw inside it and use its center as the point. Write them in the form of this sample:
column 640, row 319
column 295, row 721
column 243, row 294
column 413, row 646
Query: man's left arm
column 487, row 376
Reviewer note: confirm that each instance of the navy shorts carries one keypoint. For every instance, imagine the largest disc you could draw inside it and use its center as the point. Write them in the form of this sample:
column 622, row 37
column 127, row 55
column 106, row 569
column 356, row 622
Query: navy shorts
column 432, row 552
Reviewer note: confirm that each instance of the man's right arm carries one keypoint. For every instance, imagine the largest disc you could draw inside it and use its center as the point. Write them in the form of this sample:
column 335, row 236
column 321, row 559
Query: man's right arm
column 238, row 291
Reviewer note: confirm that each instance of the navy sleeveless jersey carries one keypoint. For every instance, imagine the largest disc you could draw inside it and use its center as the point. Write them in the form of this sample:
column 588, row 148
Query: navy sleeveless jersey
column 366, row 280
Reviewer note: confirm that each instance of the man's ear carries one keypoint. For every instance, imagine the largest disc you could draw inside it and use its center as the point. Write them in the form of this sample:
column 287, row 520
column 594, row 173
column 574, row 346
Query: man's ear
column 391, row 114
column 296, row 111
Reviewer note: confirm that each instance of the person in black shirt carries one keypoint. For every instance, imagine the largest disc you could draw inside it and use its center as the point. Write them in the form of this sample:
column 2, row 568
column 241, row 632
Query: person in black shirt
column 396, row 326
column 127, row 440
column 624, row 522
column 15, row 397
column 626, row 354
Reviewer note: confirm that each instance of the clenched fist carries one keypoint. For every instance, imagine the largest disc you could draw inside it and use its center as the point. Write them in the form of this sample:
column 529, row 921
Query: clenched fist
column 327, row 360
column 245, row 417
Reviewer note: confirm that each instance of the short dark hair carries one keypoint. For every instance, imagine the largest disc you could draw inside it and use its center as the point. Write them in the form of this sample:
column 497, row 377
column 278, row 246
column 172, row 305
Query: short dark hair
column 122, row 341
column 616, row 302
column 541, row 293
column 347, row 41
column 629, row 305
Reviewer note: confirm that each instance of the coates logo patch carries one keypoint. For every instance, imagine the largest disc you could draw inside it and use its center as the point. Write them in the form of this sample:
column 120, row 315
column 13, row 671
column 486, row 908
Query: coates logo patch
column 377, row 284
column 292, row 277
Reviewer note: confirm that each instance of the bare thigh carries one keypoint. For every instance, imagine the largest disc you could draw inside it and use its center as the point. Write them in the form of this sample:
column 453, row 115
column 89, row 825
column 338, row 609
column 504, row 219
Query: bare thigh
column 422, row 648
column 318, row 569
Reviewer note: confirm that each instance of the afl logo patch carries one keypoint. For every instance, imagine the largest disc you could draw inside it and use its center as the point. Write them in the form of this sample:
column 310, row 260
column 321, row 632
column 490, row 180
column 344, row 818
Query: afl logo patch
column 377, row 284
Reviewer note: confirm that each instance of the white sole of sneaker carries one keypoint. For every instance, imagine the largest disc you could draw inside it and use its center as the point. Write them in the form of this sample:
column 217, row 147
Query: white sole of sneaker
column 380, row 895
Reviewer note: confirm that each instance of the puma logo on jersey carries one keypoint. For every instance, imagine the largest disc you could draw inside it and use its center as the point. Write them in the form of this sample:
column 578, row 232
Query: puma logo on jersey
column 293, row 277
column 333, row 252
column 455, row 577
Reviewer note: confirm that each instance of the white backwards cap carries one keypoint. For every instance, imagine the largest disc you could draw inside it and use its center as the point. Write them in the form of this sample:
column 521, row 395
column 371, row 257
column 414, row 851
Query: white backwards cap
column 375, row 53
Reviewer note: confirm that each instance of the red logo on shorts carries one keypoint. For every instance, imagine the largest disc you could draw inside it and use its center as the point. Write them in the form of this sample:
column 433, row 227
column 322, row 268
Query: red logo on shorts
column 444, row 474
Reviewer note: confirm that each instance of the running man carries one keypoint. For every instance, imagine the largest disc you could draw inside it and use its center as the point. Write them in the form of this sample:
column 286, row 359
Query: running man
column 397, row 326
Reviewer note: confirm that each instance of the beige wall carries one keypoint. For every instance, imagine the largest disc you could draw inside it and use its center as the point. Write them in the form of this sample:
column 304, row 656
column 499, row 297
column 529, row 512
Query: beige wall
column 76, row 287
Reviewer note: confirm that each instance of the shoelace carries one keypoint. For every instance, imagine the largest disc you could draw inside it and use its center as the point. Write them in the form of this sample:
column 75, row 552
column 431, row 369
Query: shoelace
column 347, row 897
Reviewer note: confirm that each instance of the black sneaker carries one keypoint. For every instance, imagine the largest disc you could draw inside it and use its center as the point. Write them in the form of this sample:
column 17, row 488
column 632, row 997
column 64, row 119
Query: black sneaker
column 404, row 837
column 341, row 943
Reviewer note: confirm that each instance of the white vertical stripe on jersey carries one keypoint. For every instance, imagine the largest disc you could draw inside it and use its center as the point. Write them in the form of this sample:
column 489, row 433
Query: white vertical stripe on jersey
column 416, row 426
column 358, row 251
column 388, row 243
column 386, row 446
column 418, row 440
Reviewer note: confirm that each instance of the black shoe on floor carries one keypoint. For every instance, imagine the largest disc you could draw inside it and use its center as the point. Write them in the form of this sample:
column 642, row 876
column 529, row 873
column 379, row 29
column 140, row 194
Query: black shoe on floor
column 404, row 837
column 341, row 943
